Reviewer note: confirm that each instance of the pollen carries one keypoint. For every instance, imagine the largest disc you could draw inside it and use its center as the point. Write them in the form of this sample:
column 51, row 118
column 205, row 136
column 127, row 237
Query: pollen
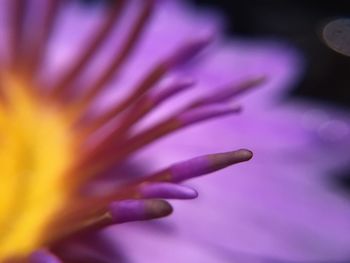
column 35, row 154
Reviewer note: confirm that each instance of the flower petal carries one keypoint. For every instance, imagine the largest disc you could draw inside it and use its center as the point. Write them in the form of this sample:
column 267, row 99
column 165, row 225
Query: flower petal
column 43, row 256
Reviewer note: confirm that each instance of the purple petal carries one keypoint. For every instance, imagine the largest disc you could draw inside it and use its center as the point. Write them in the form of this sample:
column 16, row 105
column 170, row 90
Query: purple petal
column 167, row 191
column 43, row 256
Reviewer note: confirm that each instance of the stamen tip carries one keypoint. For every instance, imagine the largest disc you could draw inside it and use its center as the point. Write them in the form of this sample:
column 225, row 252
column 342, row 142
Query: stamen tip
column 157, row 208
column 188, row 51
column 186, row 81
column 207, row 164
column 137, row 210
column 260, row 79
column 245, row 154
column 167, row 191
column 222, row 160
column 205, row 113
column 236, row 108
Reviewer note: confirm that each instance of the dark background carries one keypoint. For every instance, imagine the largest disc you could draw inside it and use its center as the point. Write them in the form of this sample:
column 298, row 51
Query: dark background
column 327, row 76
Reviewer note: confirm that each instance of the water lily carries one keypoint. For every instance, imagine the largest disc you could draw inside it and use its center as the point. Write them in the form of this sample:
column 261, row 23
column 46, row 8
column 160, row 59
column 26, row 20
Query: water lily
column 85, row 93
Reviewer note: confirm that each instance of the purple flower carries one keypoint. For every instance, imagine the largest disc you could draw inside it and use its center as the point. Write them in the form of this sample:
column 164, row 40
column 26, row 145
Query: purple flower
column 86, row 99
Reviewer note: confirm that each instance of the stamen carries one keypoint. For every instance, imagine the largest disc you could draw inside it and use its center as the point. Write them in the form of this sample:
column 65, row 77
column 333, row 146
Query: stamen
column 206, row 113
column 122, row 55
column 117, row 212
column 139, row 110
column 167, row 191
column 226, row 94
column 175, row 173
column 177, row 122
column 136, row 210
column 127, row 210
column 43, row 256
column 106, row 158
column 150, row 103
column 91, row 48
column 187, row 52
column 41, row 35
column 172, row 89
column 201, row 165
column 17, row 11
column 180, row 56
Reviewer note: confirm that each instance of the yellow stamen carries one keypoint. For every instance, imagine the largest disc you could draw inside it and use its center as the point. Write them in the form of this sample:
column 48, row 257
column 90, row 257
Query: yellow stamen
column 36, row 150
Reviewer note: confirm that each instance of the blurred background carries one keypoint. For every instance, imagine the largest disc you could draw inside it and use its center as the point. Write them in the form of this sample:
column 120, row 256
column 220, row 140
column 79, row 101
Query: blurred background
column 301, row 23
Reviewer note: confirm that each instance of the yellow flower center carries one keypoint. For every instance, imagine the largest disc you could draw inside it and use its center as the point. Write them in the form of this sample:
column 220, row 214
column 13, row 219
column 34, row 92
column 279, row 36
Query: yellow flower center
column 36, row 149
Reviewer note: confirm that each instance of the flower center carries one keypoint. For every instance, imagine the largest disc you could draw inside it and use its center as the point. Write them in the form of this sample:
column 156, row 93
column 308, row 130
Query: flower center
column 35, row 153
